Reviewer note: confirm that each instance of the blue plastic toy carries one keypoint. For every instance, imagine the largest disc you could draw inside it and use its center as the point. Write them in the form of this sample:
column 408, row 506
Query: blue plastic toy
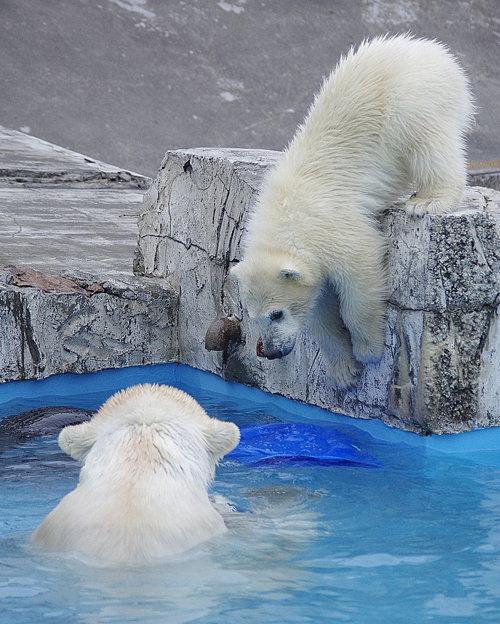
column 297, row 444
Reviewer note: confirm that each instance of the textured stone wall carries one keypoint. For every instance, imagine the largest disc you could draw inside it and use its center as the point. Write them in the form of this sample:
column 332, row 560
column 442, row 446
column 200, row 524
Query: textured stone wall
column 440, row 370
column 127, row 322
column 444, row 300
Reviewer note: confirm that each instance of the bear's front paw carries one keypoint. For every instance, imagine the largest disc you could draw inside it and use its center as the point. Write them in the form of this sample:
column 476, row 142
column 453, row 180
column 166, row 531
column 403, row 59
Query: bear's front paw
column 368, row 351
column 345, row 374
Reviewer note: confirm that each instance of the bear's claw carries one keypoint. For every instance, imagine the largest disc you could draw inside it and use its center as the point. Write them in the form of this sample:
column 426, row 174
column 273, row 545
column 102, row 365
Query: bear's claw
column 421, row 206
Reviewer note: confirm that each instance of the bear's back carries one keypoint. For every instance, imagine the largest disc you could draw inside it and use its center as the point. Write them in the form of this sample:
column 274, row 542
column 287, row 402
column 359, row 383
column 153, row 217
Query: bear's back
column 383, row 78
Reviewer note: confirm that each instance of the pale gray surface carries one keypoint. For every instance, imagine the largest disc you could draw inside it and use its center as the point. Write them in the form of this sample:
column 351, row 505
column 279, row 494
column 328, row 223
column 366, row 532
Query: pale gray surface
column 440, row 369
column 61, row 211
column 63, row 229
column 131, row 323
column 28, row 159
column 125, row 80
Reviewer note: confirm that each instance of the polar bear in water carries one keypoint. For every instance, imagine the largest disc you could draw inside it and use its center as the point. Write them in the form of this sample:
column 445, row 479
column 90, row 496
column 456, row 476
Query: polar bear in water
column 149, row 455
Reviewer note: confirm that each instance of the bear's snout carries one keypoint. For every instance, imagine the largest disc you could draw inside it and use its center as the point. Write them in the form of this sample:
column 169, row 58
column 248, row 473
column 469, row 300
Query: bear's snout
column 268, row 353
column 274, row 349
column 273, row 355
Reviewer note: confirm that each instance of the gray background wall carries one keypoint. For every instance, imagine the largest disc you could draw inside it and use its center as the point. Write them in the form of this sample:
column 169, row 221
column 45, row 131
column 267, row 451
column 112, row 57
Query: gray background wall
column 125, row 80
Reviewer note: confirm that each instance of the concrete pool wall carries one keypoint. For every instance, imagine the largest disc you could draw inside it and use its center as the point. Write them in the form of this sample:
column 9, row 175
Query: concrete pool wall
column 440, row 369
column 66, row 215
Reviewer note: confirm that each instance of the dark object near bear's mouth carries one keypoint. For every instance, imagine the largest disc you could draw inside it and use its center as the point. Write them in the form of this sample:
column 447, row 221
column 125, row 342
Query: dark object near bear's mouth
column 221, row 332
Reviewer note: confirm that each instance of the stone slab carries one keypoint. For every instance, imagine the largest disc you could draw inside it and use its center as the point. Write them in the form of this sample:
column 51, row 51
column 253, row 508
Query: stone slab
column 62, row 211
column 131, row 323
column 58, row 228
column 29, row 160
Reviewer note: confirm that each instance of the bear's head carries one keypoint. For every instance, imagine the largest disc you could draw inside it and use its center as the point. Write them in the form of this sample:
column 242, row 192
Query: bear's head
column 278, row 292
column 148, row 457
column 158, row 422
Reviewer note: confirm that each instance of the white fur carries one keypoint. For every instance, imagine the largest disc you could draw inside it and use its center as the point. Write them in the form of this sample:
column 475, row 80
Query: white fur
column 149, row 455
column 390, row 119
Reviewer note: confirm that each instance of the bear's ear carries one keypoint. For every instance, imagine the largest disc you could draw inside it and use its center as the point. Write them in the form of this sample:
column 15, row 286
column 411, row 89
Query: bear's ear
column 290, row 274
column 222, row 437
column 77, row 440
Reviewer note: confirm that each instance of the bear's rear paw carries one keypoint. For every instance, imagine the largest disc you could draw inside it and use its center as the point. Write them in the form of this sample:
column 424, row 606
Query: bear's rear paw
column 420, row 206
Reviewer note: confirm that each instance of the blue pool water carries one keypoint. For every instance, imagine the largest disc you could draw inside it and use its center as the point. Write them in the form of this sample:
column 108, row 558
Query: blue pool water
column 415, row 541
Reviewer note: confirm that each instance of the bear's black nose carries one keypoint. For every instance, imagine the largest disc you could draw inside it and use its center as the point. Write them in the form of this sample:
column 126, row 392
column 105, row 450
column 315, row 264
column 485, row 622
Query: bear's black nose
column 273, row 355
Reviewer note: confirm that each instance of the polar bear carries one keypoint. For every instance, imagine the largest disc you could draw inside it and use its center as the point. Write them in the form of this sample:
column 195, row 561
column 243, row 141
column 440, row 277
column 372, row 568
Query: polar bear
column 149, row 455
column 390, row 119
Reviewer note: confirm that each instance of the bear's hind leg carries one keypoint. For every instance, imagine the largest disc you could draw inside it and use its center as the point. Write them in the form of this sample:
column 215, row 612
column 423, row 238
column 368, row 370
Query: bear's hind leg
column 440, row 181
column 334, row 339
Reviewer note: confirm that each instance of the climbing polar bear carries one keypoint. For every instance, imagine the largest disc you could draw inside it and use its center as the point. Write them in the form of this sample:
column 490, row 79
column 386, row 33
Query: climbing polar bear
column 390, row 119
column 149, row 455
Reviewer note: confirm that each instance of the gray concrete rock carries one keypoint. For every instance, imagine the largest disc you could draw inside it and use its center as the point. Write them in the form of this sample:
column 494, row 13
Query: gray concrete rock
column 60, row 227
column 131, row 323
column 60, row 210
column 62, row 213
column 485, row 174
column 441, row 363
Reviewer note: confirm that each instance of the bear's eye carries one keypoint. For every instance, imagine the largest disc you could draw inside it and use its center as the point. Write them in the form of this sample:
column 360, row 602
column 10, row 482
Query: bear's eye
column 276, row 315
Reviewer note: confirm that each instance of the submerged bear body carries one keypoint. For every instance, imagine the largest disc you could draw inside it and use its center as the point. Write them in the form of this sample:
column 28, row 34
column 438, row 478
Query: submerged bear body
column 149, row 456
